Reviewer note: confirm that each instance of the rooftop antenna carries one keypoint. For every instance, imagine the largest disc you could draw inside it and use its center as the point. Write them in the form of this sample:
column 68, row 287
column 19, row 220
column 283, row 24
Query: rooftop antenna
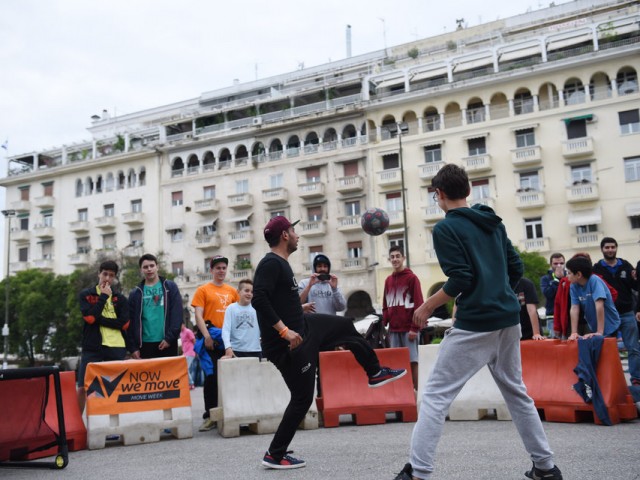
column 348, row 41
column 384, row 34
column 459, row 21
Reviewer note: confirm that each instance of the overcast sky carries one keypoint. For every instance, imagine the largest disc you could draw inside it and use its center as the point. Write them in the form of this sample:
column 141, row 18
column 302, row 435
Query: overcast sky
column 65, row 60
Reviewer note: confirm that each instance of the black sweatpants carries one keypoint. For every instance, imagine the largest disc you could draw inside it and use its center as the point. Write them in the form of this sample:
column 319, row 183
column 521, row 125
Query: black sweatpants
column 210, row 388
column 298, row 368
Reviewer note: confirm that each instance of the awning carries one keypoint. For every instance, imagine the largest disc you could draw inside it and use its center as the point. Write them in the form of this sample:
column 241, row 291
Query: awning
column 174, row 227
column 476, row 135
column 588, row 118
column 525, row 127
column 521, row 53
column 241, row 218
column 462, row 64
column 208, row 224
column 632, row 209
column 592, row 216
column 390, row 82
column 435, row 72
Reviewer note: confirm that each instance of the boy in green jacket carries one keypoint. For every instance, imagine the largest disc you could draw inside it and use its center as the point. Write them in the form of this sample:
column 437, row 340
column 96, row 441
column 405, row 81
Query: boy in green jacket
column 482, row 268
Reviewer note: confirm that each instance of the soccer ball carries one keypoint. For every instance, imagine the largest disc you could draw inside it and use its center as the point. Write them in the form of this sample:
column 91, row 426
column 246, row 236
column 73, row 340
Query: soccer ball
column 374, row 221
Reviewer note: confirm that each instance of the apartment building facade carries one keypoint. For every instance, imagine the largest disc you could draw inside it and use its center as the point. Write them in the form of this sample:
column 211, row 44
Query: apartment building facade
column 541, row 109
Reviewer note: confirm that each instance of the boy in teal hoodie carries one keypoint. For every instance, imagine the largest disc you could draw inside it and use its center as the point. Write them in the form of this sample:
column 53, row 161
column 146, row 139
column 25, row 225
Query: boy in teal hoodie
column 482, row 268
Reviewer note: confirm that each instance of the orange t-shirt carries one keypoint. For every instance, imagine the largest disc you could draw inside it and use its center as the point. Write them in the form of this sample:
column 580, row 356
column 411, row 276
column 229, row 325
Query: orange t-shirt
column 214, row 300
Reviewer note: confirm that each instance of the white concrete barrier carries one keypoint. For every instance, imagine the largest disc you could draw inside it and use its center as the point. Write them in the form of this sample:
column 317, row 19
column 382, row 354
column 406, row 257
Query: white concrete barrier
column 253, row 393
column 479, row 395
column 139, row 427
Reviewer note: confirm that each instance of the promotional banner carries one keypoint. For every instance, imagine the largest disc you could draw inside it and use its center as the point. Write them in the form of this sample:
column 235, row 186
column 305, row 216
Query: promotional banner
column 137, row 385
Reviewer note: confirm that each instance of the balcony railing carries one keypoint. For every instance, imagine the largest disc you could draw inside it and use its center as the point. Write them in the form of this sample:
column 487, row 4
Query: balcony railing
column 240, row 200
column 133, row 218
column 582, row 192
column 204, row 242
column 577, row 147
column 429, row 170
column 275, row 195
column 43, row 263
column 396, row 217
column 526, row 156
column 21, row 206
column 237, row 275
column 536, row 244
column 391, row 176
column 355, row 264
column 106, row 222
column 432, row 213
column 20, row 236
column 207, row 205
column 240, row 237
column 311, row 189
column 79, row 259
column 313, row 227
column 351, row 222
column 584, row 240
column 478, row 163
column 44, row 202
column 44, row 231
column 352, row 183
column 79, row 226
column 529, row 199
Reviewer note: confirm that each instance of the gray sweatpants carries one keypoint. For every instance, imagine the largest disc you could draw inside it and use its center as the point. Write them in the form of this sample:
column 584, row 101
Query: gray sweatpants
column 462, row 354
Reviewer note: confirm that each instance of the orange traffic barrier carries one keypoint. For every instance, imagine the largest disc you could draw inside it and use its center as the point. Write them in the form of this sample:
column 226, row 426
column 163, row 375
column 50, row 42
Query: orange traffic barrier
column 74, row 426
column 547, row 371
column 345, row 389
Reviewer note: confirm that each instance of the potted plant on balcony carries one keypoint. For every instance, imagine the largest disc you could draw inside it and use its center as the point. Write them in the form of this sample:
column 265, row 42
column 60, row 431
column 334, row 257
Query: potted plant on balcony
column 243, row 264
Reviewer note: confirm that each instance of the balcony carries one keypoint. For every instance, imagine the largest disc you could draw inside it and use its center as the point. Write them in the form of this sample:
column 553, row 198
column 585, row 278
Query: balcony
column 396, row 218
column 311, row 189
column 477, row 163
column 133, row 218
column 44, row 231
column 586, row 240
column 134, row 250
column 20, row 236
column 582, row 192
column 275, row 195
column 237, row 275
column 350, row 223
column 21, row 206
column 529, row 199
column 106, row 223
column 577, row 147
column 79, row 226
column 428, row 170
column 526, row 156
column 207, row 205
column 535, row 244
column 43, row 263
column 353, row 183
column 240, row 237
column 19, row 266
column 204, row 242
column 79, row 259
column 354, row 264
column 240, row 200
column 390, row 177
column 44, row 202
column 432, row 214
column 312, row 227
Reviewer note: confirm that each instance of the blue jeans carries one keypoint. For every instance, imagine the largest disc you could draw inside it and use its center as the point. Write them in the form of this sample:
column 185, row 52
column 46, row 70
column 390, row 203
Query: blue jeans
column 629, row 332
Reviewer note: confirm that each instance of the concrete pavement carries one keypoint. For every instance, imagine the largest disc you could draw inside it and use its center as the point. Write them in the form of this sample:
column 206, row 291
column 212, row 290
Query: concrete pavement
column 486, row 449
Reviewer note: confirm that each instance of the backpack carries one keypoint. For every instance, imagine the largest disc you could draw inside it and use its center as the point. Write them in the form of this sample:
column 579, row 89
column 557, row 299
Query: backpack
column 377, row 335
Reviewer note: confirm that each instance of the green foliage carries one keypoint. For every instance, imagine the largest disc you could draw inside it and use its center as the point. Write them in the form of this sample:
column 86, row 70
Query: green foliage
column 413, row 53
column 535, row 266
column 436, row 340
column 119, row 144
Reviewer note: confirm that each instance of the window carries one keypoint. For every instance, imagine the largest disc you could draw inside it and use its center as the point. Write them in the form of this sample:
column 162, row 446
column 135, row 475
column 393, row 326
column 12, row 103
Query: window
column 313, row 175
column 530, row 181
column 47, row 250
column 350, row 169
column 433, row 153
column 581, row 174
column 243, row 261
column 354, row 249
column 576, row 128
column 313, row 251
column 242, row 186
column 83, row 245
column 396, row 241
column 277, row 213
column 24, row 194
column 314, row 214
column 480, row 189
column 24, row 223
column 109, row 183
column 109, row 210
column 177, row 268
column 477, row 146
column 176, row 199
column 176, row 235
column 79, row 188
column 23, row 254
column 109, row 241
column 243, row 225
column 136, row 206
column 580, row 229
column 136, row 238
column 142, row 177
column 629, row 121
column 533, row 228
column 391, row 161
column 430, row 200
column 48, row 189
column 83, row 214
column 525, row 138
column 47, row 219
column 632, row 169
column 394, row 202
column 635, row 221
column 352, row 208
column 277, row 181
column 209, row 192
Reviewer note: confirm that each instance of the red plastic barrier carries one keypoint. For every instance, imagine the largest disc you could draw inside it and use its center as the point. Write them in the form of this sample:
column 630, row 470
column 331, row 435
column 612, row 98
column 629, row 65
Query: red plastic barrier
column 547, row 370
column 73, row 423
column 345, row 389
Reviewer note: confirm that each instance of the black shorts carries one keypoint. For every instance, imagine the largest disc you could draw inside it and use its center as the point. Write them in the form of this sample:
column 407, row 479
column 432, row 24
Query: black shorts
column 105, row 354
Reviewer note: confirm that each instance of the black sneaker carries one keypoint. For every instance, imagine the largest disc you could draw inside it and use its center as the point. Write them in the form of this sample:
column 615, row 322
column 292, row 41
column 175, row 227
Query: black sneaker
column 405, row 473
column 386, row 375
column 286, row 462
column 538, row 474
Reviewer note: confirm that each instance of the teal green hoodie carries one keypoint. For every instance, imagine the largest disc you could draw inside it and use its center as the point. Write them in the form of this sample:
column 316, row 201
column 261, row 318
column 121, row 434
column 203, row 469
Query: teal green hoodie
column 482, row 268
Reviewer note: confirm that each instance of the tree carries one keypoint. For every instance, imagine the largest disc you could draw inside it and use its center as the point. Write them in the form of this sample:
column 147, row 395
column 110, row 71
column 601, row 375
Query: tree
column 535, row 266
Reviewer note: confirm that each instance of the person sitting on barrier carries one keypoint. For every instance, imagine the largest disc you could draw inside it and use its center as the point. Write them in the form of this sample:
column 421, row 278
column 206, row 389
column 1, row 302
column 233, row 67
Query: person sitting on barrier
column 482, row 267
column 210, row 302
column 240, row 330
column 549, row 286
column 293, row 340
column 402, row 295
column 106, row 320
column 155, row 310
column 188, row 340
column 529, row 320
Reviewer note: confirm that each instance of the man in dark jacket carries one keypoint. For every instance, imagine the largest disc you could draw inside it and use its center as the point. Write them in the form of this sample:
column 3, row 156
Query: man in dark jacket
column 155, row 310
column 549, row 286
column 106, row 320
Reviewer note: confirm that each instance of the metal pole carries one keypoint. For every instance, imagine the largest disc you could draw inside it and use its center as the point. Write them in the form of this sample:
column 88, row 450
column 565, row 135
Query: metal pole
column 404, row 201
column 8, row 214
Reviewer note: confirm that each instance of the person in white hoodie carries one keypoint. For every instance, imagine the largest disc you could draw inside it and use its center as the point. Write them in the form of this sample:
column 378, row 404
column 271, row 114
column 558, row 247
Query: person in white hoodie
column 321, row 288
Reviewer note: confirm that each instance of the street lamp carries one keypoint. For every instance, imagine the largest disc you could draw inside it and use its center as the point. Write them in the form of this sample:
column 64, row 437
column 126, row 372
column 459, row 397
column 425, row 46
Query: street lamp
column 399, row 129
column 9, row 214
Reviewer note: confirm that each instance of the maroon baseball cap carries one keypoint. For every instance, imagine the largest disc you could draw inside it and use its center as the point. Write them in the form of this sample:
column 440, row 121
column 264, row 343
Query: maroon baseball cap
column 274, row 227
